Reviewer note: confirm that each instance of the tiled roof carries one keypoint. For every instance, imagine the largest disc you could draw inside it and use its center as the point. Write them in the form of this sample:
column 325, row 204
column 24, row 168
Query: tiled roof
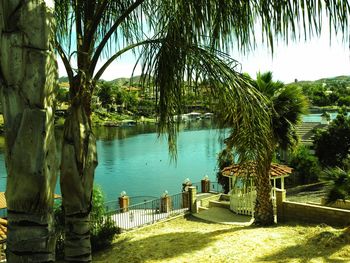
column 2, row 200
column 3, row 229
column 276, row 171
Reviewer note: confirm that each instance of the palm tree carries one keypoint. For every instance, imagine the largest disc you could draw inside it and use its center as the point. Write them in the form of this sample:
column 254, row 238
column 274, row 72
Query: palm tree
column 287, row 105
column 178, row 40
column 28, row 80
column 338, row 184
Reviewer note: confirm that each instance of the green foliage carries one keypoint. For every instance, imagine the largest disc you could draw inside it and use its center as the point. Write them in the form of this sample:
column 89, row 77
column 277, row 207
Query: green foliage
column 102, row 228
column 287, row 105
column 333, row 144
column 106, row 93
column 326, row 92
column 338, row 184
column 62, row 95
column 104, row 235
column 59, row 230
column 306, row 168
column 225, row 158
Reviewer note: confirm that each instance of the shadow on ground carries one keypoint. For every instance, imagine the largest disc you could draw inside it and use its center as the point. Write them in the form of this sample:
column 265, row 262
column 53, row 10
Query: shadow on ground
column 160, row 247
column 321, row 246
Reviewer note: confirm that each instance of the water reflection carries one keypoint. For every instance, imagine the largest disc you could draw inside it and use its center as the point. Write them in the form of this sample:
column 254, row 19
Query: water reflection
column 136, row 159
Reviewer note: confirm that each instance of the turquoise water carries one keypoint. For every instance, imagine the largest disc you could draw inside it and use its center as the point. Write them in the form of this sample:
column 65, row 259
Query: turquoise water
column 135, row 160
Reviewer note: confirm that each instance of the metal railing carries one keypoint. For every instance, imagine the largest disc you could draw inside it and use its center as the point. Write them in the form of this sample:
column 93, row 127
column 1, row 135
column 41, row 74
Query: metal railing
column 148, row 212
column 215, row 187
column 114, row 205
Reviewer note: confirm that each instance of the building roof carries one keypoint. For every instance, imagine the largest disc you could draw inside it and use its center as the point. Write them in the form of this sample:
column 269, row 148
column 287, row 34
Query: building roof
column 276, row 171
column 2, row 200
column 3, row 229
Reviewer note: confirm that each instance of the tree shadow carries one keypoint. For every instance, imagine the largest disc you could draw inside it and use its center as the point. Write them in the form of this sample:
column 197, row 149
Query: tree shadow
column 322, row 245
column 160, row 247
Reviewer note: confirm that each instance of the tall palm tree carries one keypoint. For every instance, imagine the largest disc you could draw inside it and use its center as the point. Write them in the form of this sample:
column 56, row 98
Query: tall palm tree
column 177, row 40
column 287, row 105
column 28, row 78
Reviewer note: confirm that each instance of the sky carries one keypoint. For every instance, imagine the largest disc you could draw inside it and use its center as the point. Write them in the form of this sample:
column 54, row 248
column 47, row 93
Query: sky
column 303, row 60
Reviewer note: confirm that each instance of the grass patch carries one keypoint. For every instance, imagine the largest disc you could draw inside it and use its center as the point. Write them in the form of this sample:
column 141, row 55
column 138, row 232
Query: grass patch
column 188, row 240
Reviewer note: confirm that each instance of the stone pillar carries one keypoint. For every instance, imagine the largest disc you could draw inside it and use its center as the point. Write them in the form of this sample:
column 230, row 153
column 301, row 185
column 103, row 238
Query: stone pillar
column 124, row 203
column 205, row 185
column 165, row 204
column 280, row 198
column 185, row 200
column 185, row 195
column 192, row 191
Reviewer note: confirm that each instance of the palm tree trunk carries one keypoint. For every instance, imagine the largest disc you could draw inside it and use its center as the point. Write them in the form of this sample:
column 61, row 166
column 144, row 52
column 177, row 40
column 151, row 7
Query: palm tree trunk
column 263, row 211
column 79, row 160
column 29, row 78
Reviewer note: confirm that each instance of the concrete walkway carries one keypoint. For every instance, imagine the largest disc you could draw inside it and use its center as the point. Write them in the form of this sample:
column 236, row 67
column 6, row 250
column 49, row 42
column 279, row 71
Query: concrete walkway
column 223, row 216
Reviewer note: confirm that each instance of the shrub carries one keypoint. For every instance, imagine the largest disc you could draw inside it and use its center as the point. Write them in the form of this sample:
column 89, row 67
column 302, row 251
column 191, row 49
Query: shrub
column 338, row 186
column 103, row 229
column 306, row 168
column 225, row 159
column 103, row 234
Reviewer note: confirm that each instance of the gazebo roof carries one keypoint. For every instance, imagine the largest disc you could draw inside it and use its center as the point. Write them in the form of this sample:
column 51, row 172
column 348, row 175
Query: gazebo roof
column 276, row 171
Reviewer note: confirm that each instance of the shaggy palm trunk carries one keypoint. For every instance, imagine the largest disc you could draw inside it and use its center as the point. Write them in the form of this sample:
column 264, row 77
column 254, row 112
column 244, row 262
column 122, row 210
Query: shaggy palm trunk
column 29, row 74
column 263, row 211
column 79, row 160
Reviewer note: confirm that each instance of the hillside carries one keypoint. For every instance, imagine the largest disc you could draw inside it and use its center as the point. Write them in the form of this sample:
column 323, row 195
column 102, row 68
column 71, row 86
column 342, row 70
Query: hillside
column 339, row 81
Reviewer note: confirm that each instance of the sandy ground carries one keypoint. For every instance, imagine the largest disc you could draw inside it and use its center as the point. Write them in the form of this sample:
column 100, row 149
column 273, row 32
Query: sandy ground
column 193, row 240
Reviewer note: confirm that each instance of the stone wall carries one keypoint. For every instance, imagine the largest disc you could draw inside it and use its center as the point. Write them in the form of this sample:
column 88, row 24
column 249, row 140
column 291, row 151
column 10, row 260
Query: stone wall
column 309, row 213
column 341, row 204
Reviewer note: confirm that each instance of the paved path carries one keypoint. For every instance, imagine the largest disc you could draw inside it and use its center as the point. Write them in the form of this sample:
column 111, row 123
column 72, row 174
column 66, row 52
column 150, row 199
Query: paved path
column 223, row 216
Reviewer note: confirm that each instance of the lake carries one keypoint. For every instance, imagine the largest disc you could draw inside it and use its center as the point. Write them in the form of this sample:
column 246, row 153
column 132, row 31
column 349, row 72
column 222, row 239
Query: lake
column 135, row 160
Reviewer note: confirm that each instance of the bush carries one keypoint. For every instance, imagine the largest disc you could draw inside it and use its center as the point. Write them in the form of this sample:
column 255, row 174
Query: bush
column 102, row 228
column 306, row 168
column 332, row 145
column 225, row 159
column 338, row 184
column 103, row 235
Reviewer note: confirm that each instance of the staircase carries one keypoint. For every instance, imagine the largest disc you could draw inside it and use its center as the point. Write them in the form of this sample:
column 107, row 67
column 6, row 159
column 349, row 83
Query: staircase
column 305, row 131
column 223, row 202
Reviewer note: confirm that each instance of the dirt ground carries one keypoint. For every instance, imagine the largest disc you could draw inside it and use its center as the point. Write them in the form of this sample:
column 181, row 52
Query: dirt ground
column 191, row 240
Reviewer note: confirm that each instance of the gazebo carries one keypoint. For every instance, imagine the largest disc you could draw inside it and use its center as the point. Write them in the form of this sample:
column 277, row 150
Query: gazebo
column 242, row 185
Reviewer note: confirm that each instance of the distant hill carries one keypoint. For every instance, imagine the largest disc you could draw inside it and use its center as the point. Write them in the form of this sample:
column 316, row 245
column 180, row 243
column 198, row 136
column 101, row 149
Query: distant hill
column 117, row 81
column 63, row 79
column 330, row 82
column 126, row 81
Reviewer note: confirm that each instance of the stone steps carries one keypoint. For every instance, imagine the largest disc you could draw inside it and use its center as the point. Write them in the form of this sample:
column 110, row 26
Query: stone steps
column 222, row 204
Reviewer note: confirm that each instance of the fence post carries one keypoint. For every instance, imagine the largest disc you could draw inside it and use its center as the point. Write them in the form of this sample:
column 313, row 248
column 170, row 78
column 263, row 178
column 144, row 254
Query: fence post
column 185, row 194
column 124, row 203
column 205, row 185
column 193, row 199
column 165, row 203
column 280, row 198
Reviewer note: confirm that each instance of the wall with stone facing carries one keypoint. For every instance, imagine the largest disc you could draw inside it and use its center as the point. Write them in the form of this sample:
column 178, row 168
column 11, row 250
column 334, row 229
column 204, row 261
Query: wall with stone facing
column 309, row 213
column 341, row 204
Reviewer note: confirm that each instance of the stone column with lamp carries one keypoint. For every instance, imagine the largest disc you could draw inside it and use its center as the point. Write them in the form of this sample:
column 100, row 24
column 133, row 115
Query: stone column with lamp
column 185, row 196
column 205, row 184
column 165, row 203
column 123, row 202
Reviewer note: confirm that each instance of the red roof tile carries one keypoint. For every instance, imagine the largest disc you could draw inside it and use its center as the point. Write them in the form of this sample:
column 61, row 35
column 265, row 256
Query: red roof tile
column 277, row 170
